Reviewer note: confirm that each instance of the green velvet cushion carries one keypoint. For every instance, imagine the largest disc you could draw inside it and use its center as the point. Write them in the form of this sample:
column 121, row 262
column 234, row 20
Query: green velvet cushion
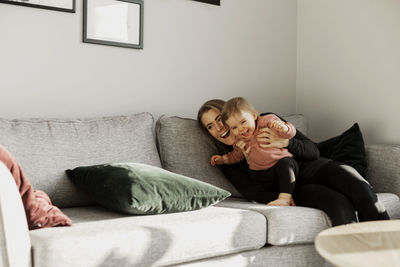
column 137, row 188
column 347, row 148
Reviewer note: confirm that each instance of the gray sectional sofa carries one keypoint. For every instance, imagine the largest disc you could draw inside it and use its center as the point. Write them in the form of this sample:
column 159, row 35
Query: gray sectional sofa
column 234, row 232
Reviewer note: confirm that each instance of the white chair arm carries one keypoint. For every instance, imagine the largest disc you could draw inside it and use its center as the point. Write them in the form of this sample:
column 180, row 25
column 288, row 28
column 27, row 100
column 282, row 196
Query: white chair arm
column 15, row 244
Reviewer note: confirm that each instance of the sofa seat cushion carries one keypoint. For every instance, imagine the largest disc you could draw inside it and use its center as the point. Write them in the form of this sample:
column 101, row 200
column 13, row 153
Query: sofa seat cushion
column 45, row 148
column 295, row 225
column 286, row 225
column 100, row 237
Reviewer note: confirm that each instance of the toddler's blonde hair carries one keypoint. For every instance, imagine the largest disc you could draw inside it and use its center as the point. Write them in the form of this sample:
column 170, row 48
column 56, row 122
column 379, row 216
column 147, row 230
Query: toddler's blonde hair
column 236, row 105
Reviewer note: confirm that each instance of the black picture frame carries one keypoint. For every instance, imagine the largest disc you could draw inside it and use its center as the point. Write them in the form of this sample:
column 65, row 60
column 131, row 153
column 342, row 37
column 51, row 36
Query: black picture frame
column 129, row 16
column 212, row 2
column 71, row 8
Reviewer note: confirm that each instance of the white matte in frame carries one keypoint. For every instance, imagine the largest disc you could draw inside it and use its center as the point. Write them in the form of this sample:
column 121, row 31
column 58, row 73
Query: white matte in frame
column 113, row 21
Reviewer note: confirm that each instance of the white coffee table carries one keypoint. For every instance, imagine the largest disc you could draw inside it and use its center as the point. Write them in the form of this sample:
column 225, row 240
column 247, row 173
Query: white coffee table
column 375, row 243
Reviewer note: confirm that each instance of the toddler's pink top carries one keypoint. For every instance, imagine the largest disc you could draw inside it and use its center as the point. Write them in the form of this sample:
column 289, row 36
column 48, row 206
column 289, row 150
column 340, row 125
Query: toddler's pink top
column 262, row 158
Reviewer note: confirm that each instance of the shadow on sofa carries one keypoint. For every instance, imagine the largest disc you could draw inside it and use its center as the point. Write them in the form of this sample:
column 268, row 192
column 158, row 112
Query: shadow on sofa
column 152, row 253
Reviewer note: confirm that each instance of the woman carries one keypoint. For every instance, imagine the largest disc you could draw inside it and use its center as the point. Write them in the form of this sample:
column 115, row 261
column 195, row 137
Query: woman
column 322, row 183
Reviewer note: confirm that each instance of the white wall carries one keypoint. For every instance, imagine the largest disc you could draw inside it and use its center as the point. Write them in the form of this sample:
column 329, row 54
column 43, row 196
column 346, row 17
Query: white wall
column 192, row 52
column 348, row 62
column 349, row 67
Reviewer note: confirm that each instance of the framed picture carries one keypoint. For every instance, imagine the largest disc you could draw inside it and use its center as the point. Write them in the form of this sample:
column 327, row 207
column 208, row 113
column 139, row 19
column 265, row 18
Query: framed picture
column 113, row 22
column 59, row 5
column 213, row 2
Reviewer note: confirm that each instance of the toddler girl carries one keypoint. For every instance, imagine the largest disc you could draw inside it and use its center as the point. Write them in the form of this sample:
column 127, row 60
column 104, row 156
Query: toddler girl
column 273, row 168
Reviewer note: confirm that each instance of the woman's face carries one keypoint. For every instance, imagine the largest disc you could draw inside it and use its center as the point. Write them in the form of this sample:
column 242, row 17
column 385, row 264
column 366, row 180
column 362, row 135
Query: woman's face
column 211, row 119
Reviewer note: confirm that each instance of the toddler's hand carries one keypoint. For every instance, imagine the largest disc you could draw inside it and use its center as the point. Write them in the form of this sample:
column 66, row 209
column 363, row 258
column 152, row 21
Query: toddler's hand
column 246, row 152
column 280, row 126
column 217, row 160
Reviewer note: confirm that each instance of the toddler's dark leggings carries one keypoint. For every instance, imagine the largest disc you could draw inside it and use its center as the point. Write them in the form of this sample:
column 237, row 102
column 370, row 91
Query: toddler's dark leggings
column 280, row 178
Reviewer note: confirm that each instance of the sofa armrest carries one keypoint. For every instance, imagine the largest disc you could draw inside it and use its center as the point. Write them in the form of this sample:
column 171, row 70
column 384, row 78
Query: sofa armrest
column 384, row 168
column 15, row 245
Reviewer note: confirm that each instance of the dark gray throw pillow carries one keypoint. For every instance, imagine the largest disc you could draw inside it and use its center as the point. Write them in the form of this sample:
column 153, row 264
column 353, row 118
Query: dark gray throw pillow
column 139, row 189
column 348, row 148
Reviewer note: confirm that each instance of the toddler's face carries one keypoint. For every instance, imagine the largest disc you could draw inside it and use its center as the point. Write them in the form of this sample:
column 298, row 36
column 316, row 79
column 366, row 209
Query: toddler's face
column 242, row 124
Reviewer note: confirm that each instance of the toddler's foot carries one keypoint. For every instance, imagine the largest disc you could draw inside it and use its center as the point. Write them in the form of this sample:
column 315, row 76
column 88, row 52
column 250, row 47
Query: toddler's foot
column 279, row 202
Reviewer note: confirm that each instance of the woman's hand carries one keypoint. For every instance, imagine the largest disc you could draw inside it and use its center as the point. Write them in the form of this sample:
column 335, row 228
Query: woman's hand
column 269, row 139
column 246, row 152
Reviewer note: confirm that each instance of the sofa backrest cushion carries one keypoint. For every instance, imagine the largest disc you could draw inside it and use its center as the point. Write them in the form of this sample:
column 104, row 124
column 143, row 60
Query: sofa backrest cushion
column 384, row 167
column 299, row 121
column 45, row 148
column 185, row 149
